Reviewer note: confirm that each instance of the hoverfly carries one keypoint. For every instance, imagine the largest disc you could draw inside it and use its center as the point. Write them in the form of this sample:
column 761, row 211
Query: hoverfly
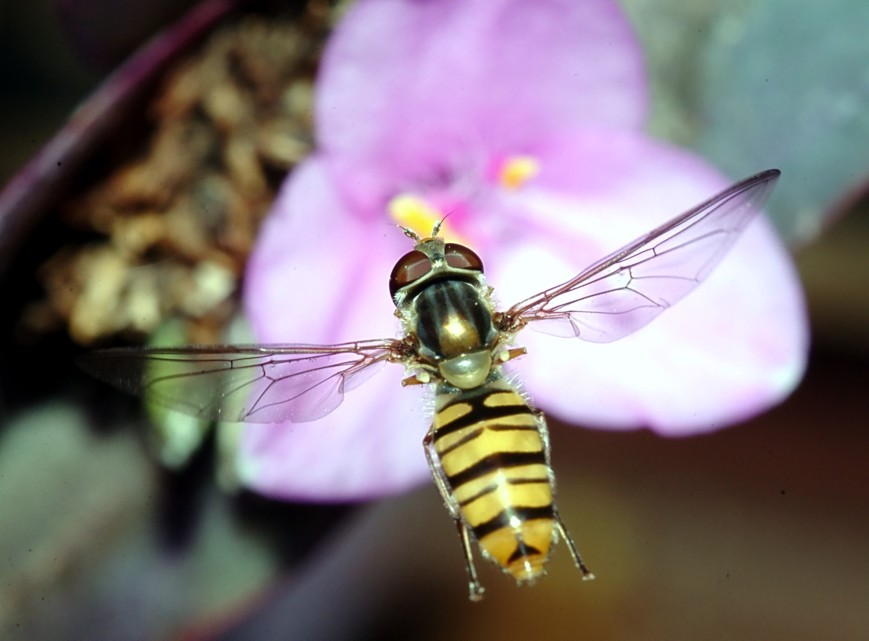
column 488, row 447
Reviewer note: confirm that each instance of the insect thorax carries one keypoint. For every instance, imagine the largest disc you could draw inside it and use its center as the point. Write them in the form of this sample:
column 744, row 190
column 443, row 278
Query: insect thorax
column 452, row 321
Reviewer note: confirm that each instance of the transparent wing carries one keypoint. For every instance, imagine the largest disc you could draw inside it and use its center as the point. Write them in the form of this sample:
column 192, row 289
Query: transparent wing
column 624, row 291
column 244, row 383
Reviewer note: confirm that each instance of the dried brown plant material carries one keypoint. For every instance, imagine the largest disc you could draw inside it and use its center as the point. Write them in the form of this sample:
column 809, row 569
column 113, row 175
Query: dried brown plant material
column 175, row 223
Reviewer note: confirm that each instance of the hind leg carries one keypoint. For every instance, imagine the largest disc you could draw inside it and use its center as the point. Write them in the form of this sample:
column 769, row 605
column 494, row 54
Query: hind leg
column 475, row 588
column 587, row 575
column 568, row 541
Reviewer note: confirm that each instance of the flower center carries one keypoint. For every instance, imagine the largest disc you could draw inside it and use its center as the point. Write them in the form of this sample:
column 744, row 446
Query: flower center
column 414, row 213
column 421, row 209
column 516, row 171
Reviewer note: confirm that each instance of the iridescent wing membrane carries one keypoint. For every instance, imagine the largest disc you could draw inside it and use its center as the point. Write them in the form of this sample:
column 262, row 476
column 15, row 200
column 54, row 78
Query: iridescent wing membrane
column 243, row 383
column 624, row 291
column 608, row 300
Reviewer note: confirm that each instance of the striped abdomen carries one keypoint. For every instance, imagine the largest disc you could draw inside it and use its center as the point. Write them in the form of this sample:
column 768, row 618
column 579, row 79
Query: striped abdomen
column 494, row 460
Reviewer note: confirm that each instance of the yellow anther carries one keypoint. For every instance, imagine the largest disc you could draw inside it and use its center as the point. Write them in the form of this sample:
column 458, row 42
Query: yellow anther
column 414, row 213
column 518, row 170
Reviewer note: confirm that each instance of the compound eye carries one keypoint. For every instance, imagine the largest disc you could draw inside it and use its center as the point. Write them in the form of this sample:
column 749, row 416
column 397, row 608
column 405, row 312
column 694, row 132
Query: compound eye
column 410, row 268
column 462, row 257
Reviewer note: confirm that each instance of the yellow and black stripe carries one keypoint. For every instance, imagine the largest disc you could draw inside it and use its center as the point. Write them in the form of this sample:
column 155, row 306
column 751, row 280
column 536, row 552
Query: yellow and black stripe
column 495, row 465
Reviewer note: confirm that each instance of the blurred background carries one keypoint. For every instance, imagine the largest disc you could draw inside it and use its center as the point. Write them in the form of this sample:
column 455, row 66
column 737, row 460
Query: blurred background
column 760, row 531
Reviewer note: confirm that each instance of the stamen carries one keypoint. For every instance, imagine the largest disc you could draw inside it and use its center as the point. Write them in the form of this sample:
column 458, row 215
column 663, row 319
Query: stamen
column 414, row 213
column 518, row 170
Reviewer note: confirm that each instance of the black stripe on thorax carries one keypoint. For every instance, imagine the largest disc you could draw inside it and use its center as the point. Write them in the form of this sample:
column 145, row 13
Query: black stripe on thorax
column 448, row 299
column 502, row 519
column 496, row 461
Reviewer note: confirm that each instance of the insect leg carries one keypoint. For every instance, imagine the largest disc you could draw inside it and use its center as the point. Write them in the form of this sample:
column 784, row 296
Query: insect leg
column 587, row 575
column 568, row 540
column 476, row 590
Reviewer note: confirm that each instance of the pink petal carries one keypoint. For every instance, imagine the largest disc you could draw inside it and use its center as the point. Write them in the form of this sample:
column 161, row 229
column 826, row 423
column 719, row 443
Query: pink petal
column 407, row 89
column 370, row 446
column 732, row 348
column 320, row 276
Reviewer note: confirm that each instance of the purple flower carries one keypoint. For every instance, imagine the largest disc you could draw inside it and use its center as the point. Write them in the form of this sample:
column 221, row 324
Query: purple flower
column 524, row 121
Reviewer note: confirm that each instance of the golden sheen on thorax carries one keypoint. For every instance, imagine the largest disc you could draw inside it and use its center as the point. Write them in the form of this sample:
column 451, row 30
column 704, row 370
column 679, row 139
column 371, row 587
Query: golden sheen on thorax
column 460, row 336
